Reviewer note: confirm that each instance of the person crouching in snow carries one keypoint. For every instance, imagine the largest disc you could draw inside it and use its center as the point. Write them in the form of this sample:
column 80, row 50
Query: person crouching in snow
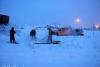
column 33, row 33
column 12, row 35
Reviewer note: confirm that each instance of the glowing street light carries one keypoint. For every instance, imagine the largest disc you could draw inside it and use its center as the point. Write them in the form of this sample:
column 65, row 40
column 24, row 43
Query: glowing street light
column 97, row 26
column 78, row 20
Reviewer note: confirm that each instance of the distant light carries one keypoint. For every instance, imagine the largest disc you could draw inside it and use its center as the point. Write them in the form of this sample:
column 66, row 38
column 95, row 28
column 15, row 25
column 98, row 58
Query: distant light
column 97, row 26
column 78, row 20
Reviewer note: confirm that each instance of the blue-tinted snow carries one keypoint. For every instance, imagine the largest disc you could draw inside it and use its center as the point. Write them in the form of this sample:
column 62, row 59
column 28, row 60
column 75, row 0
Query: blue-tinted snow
column 74, row 51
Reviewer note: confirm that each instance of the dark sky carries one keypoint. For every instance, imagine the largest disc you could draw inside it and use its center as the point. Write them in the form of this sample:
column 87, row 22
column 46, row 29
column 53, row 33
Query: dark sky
column 51, row 11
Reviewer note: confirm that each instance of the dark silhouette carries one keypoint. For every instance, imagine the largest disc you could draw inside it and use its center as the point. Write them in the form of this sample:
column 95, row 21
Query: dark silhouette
column 33, row 33
column 50, row 33
column 12, row 35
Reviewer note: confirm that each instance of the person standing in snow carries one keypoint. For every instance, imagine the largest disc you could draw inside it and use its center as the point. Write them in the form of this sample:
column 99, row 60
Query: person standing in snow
column 50, row 33
column 33, row 33
column 12, row 35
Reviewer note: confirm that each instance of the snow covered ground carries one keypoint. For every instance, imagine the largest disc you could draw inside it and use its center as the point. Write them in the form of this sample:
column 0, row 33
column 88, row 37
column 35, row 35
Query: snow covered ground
column 73, row 51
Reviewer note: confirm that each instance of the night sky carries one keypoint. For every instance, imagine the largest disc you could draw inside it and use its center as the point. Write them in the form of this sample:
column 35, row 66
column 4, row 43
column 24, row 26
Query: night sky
column 40, row 12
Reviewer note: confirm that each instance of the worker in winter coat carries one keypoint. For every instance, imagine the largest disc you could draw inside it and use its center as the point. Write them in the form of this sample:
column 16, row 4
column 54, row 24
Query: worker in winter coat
column 33, row 33
column 12, row 35
column 50, row 33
